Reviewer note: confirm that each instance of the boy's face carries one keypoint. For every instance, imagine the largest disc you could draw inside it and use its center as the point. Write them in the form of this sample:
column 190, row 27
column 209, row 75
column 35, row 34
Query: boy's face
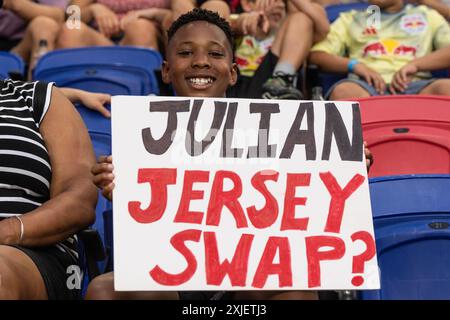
column 199, row 61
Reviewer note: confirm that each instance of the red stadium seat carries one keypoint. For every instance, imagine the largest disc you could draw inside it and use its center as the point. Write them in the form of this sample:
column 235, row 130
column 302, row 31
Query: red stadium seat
column 407, row 134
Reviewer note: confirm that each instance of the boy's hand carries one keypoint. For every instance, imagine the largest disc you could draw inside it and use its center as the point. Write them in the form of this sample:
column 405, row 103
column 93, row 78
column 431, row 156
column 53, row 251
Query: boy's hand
column 96, row 101
column 369, row 156
column 402, row 77
column 103, row 176
column 262, row 5
column 106, row 19
column 129, row 17
column 253, row 22
column 275, row 12
column 370, row 76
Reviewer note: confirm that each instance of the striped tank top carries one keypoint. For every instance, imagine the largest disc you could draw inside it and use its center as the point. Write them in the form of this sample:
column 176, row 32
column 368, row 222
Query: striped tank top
column 25, row 168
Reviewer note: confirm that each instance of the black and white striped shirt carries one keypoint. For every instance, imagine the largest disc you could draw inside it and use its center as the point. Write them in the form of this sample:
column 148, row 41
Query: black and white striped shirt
column 25, row 168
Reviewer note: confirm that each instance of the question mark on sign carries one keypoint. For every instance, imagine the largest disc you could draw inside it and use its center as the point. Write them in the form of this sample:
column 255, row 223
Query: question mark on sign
column 360, row 260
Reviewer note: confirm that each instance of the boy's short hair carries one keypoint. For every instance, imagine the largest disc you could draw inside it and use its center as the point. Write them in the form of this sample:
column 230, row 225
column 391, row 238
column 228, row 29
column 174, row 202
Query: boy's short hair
column 198, row 14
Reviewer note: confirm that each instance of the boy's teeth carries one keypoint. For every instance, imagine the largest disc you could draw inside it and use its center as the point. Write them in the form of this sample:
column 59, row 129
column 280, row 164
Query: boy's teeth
column 200, row 80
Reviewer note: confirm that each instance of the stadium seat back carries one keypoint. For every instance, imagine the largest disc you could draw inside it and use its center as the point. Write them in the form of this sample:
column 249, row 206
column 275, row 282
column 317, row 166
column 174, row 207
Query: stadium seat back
column 100, row 78
column 407, row 134
column 102, row 146
column 411, row 220
column 115, row 70
column 95, row 122
column 10, row 64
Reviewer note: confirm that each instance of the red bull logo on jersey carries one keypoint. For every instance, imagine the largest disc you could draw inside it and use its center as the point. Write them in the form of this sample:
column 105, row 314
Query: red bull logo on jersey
column 413, row 24
column 388, row 46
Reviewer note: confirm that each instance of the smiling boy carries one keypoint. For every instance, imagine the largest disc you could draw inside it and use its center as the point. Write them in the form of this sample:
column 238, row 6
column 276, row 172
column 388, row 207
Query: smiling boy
column 199, row 63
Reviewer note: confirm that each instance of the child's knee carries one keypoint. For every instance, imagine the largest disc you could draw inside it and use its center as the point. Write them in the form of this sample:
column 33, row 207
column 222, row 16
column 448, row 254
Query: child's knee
column 43, row 24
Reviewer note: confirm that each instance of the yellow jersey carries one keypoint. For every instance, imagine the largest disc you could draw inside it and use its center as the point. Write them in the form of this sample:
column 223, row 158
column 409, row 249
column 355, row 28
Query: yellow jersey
column 391, row 43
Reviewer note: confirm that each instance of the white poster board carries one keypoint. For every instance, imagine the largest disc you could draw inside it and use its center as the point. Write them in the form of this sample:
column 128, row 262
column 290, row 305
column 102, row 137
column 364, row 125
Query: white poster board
column 268, row 194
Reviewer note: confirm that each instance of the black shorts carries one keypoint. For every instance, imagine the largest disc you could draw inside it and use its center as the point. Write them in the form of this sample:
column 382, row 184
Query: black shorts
column 7, row 45
column 53, row 264
column 251, row 87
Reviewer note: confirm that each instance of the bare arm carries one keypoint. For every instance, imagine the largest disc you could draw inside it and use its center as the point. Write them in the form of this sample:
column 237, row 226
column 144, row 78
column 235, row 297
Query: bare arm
column 317, row 14
column 333, row 63
column 161, row 16
column 29, row 10
column 91, row 100
column 329, row 62
column 436, row 60
column 72, row 194
column 157, row 14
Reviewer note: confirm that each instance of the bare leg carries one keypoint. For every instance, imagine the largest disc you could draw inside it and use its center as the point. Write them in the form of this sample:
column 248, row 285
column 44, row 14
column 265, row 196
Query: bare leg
column 219, row 6
column 348, row 90
column 20, row 278
column 102, row 288
column 82, row 37
column 40, row 28
column 142, row 33
column 288, row 46
column 438, row 87
column 180, row 7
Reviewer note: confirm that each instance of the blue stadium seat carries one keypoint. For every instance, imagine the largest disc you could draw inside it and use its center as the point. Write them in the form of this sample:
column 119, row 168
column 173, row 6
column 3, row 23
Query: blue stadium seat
column 95, row 122
column 102, row 146
column 117, row 70
column 411, row 218
column 10, row 64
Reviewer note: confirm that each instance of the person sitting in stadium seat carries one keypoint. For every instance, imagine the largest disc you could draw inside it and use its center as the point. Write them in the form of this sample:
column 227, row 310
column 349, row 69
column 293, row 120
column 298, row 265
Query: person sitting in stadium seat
column 106, row 22
column 26, row 25
column 269, row 52
column 437, row 60
column 46, row 191
column 200, row 42
column 371, row 54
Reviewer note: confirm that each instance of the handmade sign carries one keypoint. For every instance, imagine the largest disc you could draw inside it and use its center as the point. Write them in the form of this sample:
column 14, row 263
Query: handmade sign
column 239, row 194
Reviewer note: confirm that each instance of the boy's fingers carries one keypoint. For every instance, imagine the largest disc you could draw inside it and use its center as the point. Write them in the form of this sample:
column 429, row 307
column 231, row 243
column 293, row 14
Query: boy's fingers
column 105, row 158
column 105, row 112
column 100, row 108
column 368, row 79
column 403, row 76
column 103, row 179
column 106, row 98
column 102, row 168
column 107, row 191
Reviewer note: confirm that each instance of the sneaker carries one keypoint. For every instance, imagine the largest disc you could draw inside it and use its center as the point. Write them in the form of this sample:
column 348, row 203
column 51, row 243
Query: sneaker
column 281, row 86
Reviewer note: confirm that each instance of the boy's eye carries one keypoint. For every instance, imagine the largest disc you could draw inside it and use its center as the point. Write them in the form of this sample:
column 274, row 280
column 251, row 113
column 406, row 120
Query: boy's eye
column 184, row 52
column 216, row 54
